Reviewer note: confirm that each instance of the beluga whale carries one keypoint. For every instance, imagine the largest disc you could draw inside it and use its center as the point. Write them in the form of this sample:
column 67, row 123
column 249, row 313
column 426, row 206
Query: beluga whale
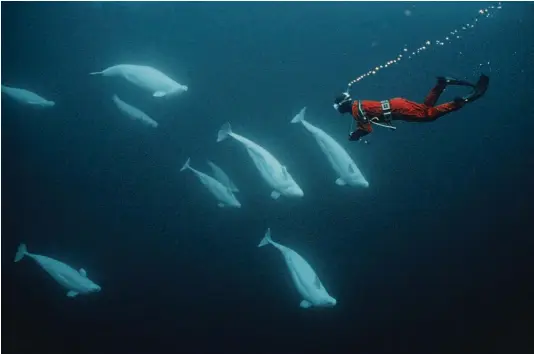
column 222, row 177
column 133, row 112
column 223, row 194
column 76, row 281
column 145, row 77
column 26, row 97
column 306, row 281
column 272, row 171
column 339, row 159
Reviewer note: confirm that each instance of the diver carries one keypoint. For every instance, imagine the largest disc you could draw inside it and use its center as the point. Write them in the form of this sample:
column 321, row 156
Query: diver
column 381, row 113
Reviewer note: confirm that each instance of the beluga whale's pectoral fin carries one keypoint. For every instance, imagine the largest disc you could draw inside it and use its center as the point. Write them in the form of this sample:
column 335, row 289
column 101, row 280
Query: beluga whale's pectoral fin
column 72, row 293
column 340, row 182
column 159, row 94
column 305, row 304
column 275, row 195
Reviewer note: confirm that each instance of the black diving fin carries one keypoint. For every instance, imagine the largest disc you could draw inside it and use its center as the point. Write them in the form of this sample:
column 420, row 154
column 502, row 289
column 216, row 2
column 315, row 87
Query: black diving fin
column 447, row 80
column 479, row 90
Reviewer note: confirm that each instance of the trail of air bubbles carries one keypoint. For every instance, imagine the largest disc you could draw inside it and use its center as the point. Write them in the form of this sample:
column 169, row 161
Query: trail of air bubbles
column 449, row 38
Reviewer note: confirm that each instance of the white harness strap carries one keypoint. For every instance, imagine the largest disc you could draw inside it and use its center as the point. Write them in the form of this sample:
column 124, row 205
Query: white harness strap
column 383, row 125
column 386, row 110
column 386, row 113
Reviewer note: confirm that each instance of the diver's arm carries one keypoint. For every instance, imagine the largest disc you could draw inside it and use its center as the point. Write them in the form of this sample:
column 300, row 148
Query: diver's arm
column 363, row 130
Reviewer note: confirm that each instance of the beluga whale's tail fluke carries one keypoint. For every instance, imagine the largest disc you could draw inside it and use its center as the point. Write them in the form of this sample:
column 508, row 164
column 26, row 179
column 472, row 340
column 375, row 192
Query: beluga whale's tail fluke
column 21, row 252
column 224, row 132
column 186, row 165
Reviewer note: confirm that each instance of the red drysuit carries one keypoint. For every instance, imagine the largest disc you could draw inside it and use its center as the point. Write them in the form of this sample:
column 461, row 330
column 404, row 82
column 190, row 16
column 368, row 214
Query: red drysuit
column 402, row 109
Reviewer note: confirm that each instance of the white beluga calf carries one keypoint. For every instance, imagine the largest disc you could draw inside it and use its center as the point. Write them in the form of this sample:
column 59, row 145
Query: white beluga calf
column 26, row 97
column 134, row 112
column 222, row 177
column 76, row 281
column 223, row 194
column 272, row 171
column 306, row 281
column 145, row 77
column 339, row 159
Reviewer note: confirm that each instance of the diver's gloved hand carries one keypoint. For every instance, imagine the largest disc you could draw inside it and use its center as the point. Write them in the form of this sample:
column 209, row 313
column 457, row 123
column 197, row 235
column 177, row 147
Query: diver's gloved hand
column 460, row 101
column 354, row 136
column 357, row 136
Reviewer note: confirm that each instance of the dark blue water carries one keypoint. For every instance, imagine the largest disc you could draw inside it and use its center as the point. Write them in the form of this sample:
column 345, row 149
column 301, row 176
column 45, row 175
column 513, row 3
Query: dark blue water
column 432, row 258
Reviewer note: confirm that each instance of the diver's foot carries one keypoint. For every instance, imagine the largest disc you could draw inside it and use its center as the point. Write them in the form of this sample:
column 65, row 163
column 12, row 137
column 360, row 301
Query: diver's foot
column 459, row 101
column 442, row 80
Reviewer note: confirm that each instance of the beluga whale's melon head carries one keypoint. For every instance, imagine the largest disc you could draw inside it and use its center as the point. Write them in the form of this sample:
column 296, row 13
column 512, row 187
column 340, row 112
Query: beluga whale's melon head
column 94, row 288
column 328, row 301
column 179, row 89
column 294, row 190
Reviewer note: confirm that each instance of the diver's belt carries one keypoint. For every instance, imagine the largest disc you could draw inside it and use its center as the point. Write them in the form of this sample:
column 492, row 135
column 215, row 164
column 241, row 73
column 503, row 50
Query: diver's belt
column 386, row 110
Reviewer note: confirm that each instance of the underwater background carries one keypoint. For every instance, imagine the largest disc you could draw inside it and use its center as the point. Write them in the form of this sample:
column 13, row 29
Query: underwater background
column 434, row 257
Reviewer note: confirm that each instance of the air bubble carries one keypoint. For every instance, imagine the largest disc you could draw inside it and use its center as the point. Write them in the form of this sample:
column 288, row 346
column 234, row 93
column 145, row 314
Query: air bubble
column 454, row 35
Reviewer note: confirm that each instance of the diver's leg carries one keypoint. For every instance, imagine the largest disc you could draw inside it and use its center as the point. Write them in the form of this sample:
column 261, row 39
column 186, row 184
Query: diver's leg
column 433, row 113
column 416, row 112
column 434, row 94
